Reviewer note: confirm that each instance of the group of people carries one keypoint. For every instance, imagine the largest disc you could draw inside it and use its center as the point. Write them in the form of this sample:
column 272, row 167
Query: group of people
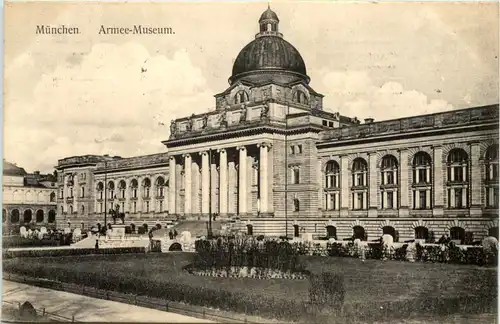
column 172, row 235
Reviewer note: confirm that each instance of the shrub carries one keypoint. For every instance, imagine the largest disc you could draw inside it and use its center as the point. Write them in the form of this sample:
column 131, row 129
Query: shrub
column 69, row 252
column 327, row 289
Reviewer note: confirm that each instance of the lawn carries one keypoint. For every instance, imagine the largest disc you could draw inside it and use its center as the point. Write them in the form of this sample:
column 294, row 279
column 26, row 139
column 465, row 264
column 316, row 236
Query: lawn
column 370, row 282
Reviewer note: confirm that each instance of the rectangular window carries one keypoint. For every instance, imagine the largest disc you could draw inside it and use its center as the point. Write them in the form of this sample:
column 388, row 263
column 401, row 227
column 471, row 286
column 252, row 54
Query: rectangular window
column 458, row 174
column 360, row 200
column 422, row 177
column 390, row 177
column 292, row 149
column 161, row 206
column 147, row 206
column 330, row 124
column 422, row 199
column 135, row 193
column 135, row 207
column 147, row 192
column 295, row 176
column 83, row 192
column 299, row 149
column 359, row 178
column 325, row 123
column 390, row 200
column 458, row 198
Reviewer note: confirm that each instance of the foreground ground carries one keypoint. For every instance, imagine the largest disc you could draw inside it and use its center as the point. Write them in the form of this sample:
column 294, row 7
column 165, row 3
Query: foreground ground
column 84, row 308
column 372, row 280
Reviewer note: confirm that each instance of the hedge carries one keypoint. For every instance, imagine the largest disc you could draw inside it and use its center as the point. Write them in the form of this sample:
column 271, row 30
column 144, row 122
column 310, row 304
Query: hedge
column 70, row 252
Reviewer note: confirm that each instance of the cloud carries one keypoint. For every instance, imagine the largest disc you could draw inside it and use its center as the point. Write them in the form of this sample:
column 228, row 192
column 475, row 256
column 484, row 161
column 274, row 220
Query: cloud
column 119, row 100
column 354, row 93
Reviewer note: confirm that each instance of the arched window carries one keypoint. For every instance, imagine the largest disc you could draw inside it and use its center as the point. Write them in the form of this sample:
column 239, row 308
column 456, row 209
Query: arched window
column 52, row 216
column 422, row 185
column 14, row 216
column 491, row 172
column 332, row 186
column 39, row 216
column 70, row 209
column 421, row 233
column 389, row 230
column 147, row 186
column 359, row 233
column 332, row 175
column 300, row 97
column 458, row 172
column 241, row 97
column 458, row 234
column 160, row 185
column 52, row 197
column 249, row 229
column 100, row 190
column 331, row 232
column 134, row 185
column 111, row 190
column 389, row 182
column 28, row 216
column 359, row 184
column 122, row 185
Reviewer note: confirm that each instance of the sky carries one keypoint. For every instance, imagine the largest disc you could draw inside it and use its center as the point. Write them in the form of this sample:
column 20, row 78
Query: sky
column 69, row 95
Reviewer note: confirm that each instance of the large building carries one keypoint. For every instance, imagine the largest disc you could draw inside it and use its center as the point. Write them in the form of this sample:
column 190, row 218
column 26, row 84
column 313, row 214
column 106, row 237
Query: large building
column 28, row 199
column 270, row 156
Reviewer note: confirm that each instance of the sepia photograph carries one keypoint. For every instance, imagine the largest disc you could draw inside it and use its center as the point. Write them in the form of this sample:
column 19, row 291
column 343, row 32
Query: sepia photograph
column 250, row 162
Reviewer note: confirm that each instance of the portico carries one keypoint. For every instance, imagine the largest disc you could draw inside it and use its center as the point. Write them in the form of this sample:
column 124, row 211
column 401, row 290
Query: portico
column 222, row 180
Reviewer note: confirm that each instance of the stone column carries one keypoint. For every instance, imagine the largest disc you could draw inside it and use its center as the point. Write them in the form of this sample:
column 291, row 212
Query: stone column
column 263, row 177
column 242, row 185
column 232, row 183
column 344, row 187
column 320, row 181
column 373, row 204
column 171, row 185
column 427, row 198
column 187, row 184
column 205, row 183
column 403, row 183
column 437, row 183
column 475, row 180
column 223, row 182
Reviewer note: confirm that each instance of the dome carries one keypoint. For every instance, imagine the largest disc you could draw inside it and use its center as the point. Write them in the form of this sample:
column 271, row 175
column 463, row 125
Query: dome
column 269, row 57
column 269, row 15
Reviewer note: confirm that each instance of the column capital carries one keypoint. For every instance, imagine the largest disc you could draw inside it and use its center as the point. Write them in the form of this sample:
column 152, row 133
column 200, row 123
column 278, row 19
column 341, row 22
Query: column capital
column 471, row 143
column 171, row 158
column 438, row 146
column 203, row 153
column 222, row 150
column 264, row 144
column 186, row 155
column 241, row 148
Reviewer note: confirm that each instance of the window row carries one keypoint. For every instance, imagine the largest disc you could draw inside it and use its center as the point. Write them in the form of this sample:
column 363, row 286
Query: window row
column 15, row 216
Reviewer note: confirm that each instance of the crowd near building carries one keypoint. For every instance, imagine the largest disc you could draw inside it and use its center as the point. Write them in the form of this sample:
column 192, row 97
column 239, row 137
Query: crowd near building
column 270, row 158
column 29, row 200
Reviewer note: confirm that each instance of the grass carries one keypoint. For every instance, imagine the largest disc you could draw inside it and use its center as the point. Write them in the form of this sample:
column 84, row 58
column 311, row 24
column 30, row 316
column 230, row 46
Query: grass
column 365, row 282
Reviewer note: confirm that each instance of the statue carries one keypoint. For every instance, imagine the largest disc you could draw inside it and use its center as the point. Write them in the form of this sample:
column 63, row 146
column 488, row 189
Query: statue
column 205, row 122
column 222, row 119
column 173, row 127
column 264, row 113
column 243, row 114
column 114, row 213
column 189, row 125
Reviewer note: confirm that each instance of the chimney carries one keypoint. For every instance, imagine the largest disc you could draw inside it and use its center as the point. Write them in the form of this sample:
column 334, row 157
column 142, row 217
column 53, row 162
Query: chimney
column 369, row 120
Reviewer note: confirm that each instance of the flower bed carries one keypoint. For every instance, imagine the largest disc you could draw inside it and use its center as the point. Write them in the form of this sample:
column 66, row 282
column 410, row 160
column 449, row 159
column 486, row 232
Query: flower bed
column 247, row 258
column 246, row 272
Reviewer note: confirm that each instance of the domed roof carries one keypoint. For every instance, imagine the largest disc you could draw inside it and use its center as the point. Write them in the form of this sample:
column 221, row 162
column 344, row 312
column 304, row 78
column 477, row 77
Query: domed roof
column 267, row 53
column 269, row 15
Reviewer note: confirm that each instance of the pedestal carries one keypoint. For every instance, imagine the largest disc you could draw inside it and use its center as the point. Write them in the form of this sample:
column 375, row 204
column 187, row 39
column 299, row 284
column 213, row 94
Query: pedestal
column 118, row 231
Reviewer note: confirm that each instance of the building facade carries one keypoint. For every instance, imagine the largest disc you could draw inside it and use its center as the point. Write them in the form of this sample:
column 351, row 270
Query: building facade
column 28, row 199
column 272, row 158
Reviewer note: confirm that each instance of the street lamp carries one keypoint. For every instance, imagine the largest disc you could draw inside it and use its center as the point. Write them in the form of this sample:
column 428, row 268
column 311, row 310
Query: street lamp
column 209, row 231
column 105, row 196
column 286, row 168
